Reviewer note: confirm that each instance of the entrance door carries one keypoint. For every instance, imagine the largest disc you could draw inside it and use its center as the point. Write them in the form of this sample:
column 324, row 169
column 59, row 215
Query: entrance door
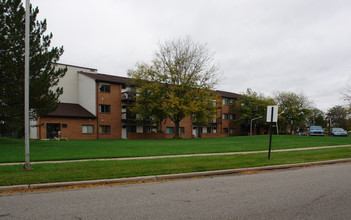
column 52, row 130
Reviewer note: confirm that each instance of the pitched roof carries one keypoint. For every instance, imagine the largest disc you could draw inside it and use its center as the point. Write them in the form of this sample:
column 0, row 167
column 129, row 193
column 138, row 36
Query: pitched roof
column 228, row 94
column 107, row 78
column 71, row 110
column 126, row 80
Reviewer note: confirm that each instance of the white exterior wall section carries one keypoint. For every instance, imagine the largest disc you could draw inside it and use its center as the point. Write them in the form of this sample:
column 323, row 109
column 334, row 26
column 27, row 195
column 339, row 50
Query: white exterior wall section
column 70, row 83
column 139, row 129
column 87, row 93
column 33, row 134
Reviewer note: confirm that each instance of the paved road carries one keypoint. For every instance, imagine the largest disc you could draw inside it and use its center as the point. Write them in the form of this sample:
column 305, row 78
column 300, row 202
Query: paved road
column 309, row 193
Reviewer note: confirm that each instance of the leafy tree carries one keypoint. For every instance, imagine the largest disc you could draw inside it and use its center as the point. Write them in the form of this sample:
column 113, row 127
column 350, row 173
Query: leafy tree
column 337, row 116
column 316, row 117
column 42, row 77
column 149, row 103
column 295, row 109
column 177, row 84
column 346, row 93
column 253, row 105
column 347, row 97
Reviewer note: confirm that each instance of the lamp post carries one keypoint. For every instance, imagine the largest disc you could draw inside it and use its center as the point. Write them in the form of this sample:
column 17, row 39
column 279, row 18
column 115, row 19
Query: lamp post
column 251, row 124
column 276, row 123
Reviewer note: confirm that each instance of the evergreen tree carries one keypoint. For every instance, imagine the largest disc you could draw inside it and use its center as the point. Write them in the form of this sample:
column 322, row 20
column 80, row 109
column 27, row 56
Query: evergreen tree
column 42, row 77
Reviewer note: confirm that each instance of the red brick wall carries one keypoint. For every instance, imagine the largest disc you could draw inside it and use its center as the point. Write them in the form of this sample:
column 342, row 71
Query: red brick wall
column 146, row 136
column 212, row 135
column 226, row 123
column 186, row 123
column 237, row 115
column 112, row 98
column 73, row 129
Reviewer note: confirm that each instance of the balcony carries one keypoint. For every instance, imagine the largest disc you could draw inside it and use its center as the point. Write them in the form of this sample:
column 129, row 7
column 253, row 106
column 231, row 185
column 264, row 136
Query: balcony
column 127, row 116
column 212, row 121
column 128, row 96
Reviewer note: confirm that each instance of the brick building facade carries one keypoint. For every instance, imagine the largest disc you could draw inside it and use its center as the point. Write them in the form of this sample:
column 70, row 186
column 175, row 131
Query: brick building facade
column 96, row 106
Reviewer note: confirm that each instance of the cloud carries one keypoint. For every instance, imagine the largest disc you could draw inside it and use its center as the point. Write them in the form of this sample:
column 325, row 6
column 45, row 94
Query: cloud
column 272, row 45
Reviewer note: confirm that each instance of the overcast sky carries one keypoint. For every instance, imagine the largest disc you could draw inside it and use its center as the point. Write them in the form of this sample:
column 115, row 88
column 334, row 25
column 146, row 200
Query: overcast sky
column 300, row 46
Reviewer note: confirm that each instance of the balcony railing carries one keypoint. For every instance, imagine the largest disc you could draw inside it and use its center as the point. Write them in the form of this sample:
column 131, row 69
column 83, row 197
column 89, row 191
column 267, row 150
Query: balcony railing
column 128, row 96
column 128, row 116
column 212, row 121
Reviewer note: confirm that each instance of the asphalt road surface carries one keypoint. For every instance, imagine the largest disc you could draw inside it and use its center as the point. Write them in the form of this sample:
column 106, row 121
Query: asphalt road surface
column 322, row 192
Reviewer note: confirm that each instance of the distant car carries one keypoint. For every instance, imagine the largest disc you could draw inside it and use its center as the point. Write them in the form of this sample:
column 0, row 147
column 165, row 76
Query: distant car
column 302, row 133
column 338, row 132
column 315, row 131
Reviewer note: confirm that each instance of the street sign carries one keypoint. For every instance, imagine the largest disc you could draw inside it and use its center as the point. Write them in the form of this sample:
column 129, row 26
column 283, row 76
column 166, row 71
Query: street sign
column 271, row 108
column 272, row 116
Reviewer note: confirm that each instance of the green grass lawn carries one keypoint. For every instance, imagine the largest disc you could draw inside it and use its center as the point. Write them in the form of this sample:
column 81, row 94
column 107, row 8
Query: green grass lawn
column 74, row 171
column 12, row 150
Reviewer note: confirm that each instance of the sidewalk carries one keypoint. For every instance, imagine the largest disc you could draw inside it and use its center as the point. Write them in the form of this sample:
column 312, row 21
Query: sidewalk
column 173, row 156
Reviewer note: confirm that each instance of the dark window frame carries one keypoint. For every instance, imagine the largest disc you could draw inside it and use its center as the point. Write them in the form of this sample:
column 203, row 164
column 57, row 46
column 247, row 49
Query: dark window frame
column 169, row 128
column 225, row 101
column 105, row 129
column 104, row 87
column 181, row 130
column 91, row 126
column 225, row 116
column 105, row 108
column 225, row 130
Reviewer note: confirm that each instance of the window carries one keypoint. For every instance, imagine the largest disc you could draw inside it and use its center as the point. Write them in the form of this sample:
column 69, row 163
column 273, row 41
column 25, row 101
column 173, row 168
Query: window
column 169, row 130
column 209, row 130
column 214, row 101
column 225, row 130
column 149, row 129
column 104, row 108
column 225, row 116
column 225, row 101
column 231, row 116
column 105, row 129
column 232, row 131
column 181, row 130
column 88, row 129
column 104, row 87
column 232, row 101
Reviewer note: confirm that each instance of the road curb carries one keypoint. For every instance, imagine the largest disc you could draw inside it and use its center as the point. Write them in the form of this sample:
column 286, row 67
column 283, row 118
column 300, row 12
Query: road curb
column 166, row 176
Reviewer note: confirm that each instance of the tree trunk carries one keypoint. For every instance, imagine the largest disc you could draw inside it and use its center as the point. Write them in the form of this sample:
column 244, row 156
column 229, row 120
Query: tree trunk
column 176, row 132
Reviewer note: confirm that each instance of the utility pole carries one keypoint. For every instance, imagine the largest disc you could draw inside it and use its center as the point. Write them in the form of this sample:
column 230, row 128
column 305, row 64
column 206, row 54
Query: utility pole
column 27, row 165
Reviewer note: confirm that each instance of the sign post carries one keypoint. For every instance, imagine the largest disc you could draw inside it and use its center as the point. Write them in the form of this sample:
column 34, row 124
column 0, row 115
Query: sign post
column 272, row 116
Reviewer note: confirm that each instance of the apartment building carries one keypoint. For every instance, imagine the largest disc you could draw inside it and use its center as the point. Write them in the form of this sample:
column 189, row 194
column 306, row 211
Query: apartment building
column 97, row 106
